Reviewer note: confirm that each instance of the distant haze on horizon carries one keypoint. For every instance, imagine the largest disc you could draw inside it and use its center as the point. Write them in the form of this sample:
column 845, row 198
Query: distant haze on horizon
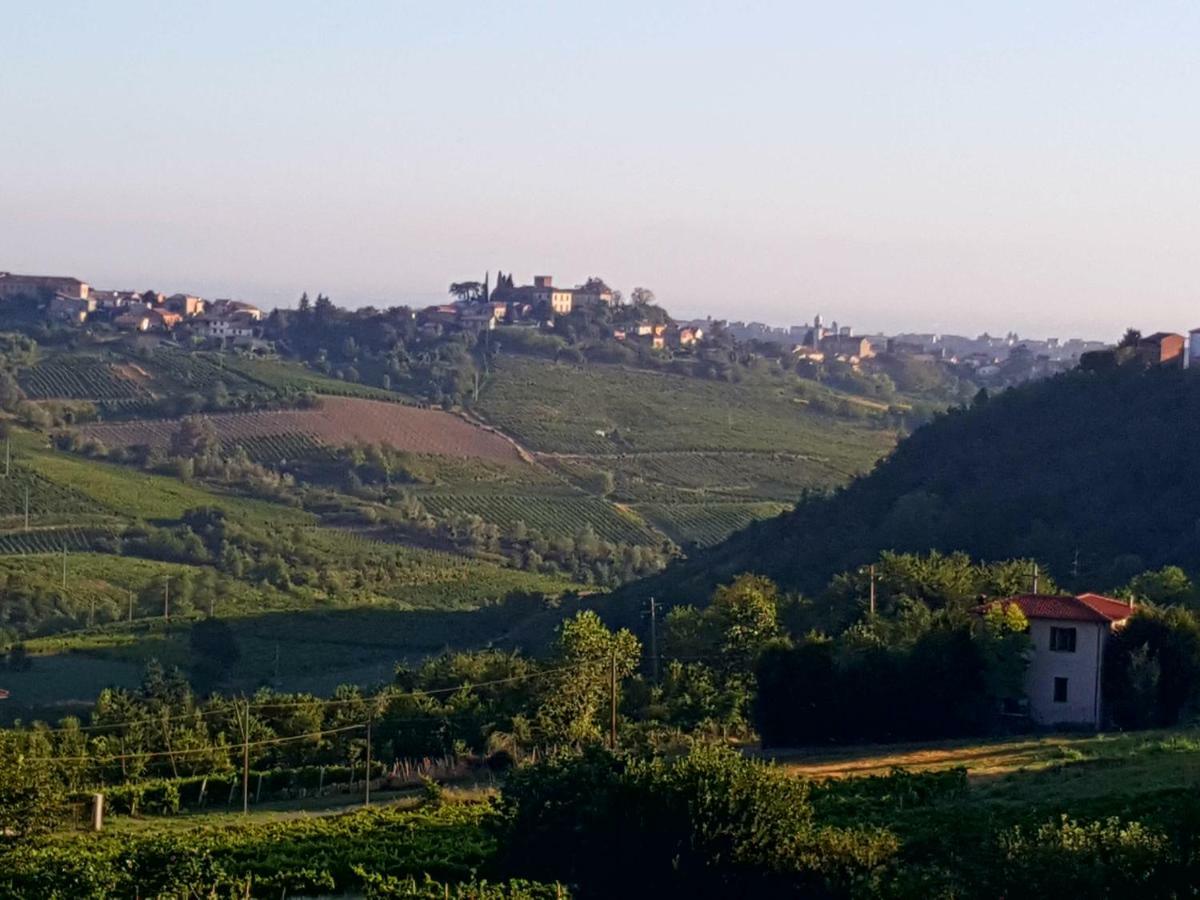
column 899, row 167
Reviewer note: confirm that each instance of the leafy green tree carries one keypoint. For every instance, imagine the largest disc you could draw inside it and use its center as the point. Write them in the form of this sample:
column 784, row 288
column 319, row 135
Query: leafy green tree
column 577, row 696
column 744, row 616
column 31, row 800
column 1167, row 586
column 1131, row 338
column 1155, row 657
column 195, row 437
column 467, row 290
column 1003, row 639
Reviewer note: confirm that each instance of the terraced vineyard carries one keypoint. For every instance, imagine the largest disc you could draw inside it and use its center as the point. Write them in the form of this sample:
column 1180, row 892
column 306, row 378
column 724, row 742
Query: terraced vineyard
column 79, row 378
column 52, row 540
column 551, row 514
column 606, row 409
column 112, row 489
column 706, row 523
column 276, row 449
column 293, row 377
column 692, row 477
column 47, row 499
column 193, row 371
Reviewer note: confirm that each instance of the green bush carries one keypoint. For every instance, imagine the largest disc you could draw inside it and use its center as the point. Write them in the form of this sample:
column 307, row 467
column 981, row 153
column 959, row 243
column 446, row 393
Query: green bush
column 1108, row 858
column 711, row 823
column 324, row 855
column 377, row 887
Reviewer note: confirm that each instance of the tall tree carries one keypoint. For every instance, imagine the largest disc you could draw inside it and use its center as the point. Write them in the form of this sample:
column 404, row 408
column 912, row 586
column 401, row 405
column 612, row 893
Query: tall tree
column 587, row 655
column 467, row 291
column 641, row 296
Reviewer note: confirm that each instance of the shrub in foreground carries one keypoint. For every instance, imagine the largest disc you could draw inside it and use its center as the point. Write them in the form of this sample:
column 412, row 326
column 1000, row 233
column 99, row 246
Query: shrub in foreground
column 711, row 823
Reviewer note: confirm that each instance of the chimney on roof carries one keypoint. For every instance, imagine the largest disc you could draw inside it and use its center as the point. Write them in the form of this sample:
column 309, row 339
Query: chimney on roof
column 1035, row 578
column 543, row 281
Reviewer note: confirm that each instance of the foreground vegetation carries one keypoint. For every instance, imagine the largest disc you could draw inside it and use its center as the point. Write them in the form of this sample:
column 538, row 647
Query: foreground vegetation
column 703, row 823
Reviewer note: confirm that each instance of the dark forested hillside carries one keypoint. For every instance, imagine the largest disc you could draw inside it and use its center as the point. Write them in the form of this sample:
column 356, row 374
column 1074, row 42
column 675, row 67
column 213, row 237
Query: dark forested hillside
column 1095, row 474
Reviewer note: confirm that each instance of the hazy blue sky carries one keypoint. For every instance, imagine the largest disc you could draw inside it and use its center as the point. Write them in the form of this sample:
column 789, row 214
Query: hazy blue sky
column 935, row 166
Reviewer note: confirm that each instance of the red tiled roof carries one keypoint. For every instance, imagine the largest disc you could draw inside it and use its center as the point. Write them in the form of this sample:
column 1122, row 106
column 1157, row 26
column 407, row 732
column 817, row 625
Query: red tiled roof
column 1113, row 610
column 1084, row 608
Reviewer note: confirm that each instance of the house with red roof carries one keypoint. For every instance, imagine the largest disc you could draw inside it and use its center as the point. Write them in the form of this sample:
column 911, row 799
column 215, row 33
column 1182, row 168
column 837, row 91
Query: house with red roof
column 1068, row 633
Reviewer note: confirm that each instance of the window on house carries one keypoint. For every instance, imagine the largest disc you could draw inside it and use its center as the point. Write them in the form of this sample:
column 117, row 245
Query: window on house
column 1060, row 690
column 1062, row 640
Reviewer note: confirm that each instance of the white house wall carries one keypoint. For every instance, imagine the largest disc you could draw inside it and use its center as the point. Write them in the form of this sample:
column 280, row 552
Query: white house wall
column 1081, row 669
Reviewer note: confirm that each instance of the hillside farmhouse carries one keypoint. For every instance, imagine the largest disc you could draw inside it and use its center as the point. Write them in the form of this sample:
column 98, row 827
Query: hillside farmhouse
column 846, row 346
column 561, row 300
column 40, row 285
column 1162, row 348
column 1069, row 633
column 71, row 309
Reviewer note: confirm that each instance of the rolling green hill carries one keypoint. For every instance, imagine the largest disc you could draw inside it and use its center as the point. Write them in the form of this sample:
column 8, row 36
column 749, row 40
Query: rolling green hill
column 682, row 459
column 607, row 409
column 668, row 445
column 1097, row 475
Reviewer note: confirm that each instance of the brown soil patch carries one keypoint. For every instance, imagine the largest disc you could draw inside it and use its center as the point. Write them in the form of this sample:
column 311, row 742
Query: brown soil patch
column 337, row 421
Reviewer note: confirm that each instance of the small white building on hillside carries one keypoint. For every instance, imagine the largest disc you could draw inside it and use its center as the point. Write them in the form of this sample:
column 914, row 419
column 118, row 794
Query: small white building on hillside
column 1063, row 681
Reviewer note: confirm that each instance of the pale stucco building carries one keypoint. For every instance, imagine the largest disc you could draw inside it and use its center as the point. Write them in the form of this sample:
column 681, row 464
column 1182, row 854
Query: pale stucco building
column 1066, row 663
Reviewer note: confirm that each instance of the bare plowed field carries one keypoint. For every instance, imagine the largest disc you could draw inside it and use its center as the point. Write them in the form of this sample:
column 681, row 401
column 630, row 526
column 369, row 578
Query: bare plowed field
column 337, row 421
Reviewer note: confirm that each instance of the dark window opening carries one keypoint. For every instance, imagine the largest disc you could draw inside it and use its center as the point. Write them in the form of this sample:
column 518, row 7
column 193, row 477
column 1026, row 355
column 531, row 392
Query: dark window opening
column 1060, row 690
column 1062, row 640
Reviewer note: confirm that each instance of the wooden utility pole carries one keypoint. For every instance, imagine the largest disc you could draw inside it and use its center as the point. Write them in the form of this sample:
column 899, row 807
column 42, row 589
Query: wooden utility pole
column 7, row 456
column 612, row 700
column 26, row 507
column 244, row 718
column 367, row 780
column 872, row 590
column 167, row 598
column 131, row 605
column 92, row 613
column 654, row 639
column 64, row 565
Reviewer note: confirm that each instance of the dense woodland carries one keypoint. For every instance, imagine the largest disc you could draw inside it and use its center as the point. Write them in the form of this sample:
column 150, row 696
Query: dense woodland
column 1089, row 472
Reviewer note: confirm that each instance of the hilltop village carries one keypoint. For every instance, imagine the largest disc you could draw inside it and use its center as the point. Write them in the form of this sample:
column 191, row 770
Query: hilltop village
column 591, row 311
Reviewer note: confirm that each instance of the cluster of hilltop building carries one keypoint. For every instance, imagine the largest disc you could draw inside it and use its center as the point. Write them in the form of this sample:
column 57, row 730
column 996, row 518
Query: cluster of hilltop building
column 986, row 355
column 70, row 300
column 481, row 307
column 1163, row 348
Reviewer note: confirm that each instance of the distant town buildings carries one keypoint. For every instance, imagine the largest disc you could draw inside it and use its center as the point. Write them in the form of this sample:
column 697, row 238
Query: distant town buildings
column 543, row 292
column 480, row 308
column 67, row 308
column 12, row 286
column 1162, row 348
column 69, row 300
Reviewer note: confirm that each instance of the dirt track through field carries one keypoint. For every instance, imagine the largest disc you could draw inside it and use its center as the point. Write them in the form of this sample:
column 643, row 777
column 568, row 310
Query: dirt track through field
column 337, row 421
